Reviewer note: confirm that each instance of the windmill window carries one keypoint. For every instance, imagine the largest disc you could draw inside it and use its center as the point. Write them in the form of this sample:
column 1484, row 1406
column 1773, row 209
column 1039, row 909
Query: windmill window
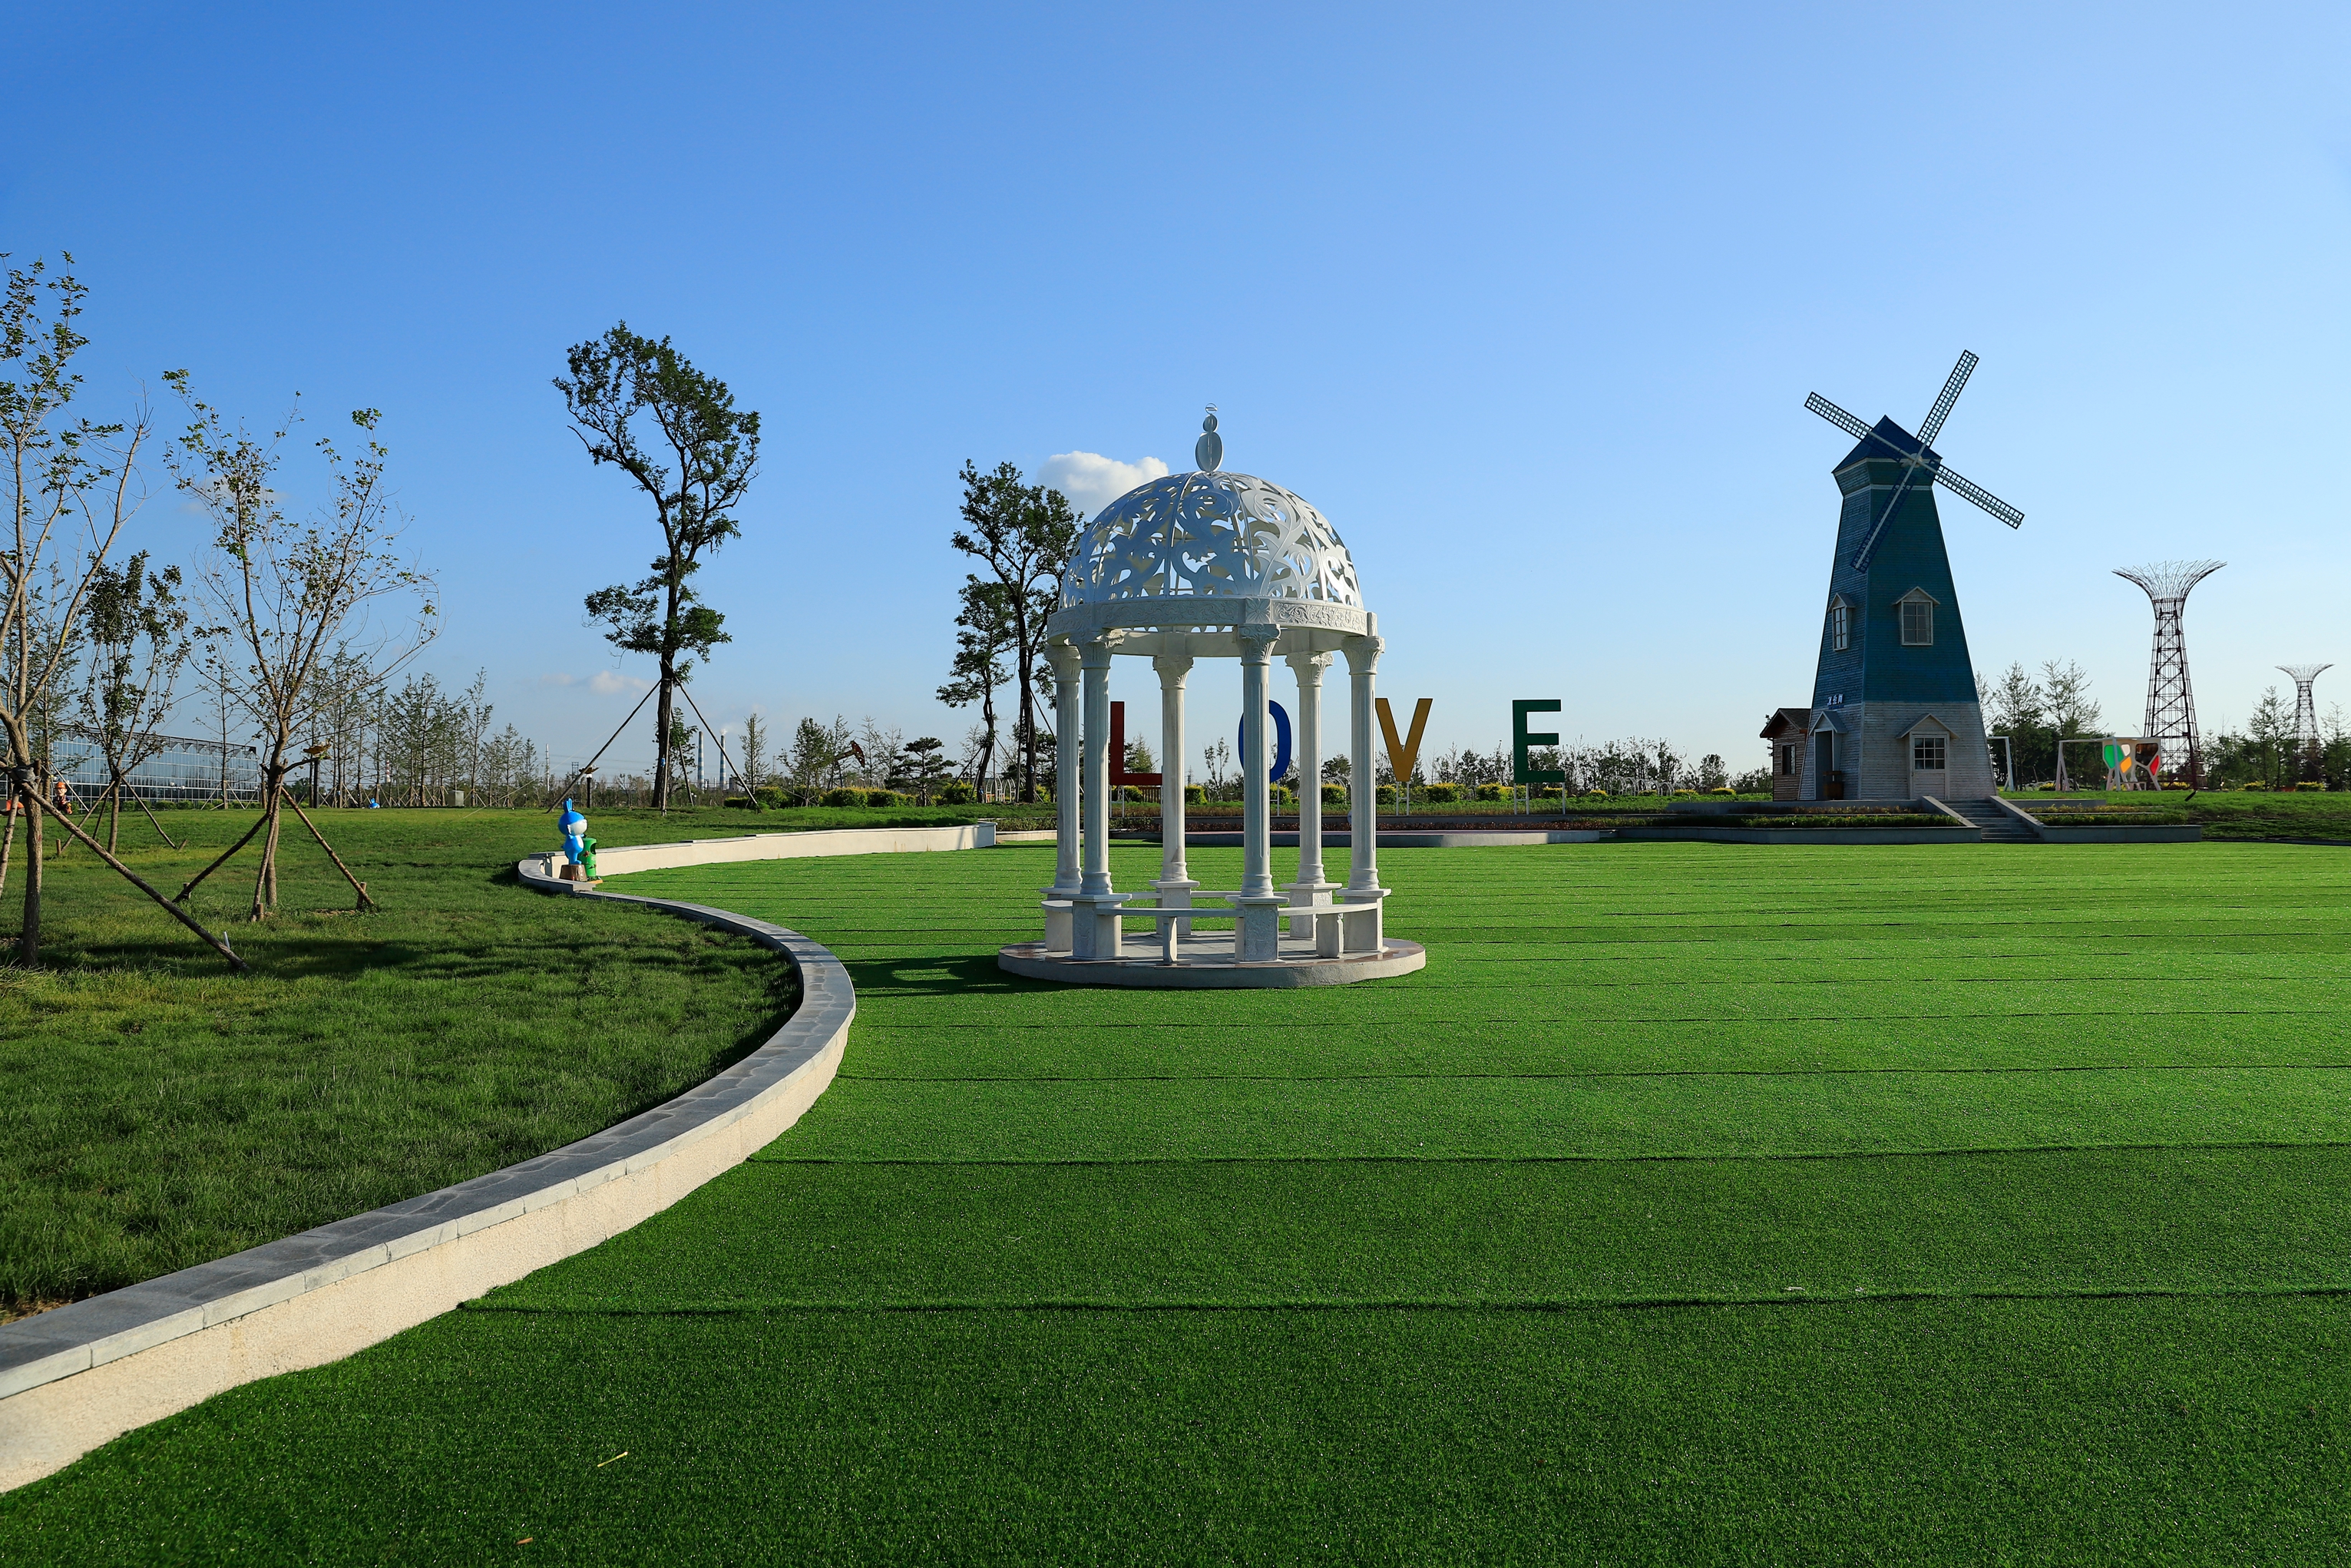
column 1840, row 628
column 1926, row 753
column 1918, row 622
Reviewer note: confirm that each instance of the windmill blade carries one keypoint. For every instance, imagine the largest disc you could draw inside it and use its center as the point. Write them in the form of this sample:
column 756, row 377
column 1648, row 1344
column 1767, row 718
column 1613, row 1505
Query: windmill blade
column 1838, row 417
column 1946, row 397
column 1877, row 530
column 1982, row 498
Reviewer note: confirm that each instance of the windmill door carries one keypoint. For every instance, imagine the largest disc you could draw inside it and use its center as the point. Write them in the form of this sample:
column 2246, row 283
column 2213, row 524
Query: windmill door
column 1830, row 786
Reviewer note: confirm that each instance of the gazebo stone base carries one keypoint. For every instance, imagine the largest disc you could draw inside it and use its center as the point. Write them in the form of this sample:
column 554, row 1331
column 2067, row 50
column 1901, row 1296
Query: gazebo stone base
column 1205, row 962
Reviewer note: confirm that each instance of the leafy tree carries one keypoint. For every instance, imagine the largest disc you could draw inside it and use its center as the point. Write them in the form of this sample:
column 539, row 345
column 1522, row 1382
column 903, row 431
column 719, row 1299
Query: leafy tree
column 139, row 642
column 2271, row 732
column 1023, row 534
column 927, row 764
column 1217, row 756
column 629, row 397
column 2335, row 750
column 817, row 752
column 756, row 741
column 680, row 753
column 2036, row 713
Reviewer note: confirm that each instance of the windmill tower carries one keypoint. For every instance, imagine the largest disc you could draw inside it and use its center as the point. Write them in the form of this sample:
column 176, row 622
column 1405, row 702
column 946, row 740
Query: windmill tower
column 2170, row 700
column 2305, row 712
column 1894, row 712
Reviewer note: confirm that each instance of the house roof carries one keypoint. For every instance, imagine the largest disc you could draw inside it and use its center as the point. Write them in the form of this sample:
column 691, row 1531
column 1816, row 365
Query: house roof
column 1885, row 440
column 1786, row 720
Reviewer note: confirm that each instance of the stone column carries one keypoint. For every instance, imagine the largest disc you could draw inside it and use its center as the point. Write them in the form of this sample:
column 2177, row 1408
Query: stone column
column 1259, row 922
column 1068, row 729
column 1174, row 886
column 1362, row 792
column 1094, row 909
column 1312, row 887
column 1095, row 659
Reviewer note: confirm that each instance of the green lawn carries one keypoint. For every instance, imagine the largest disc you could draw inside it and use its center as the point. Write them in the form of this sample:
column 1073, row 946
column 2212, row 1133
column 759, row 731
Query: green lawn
column 1697, row 1203
column 161, row 1110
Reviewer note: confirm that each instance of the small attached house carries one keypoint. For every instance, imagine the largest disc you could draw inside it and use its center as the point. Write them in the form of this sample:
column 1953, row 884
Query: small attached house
column 1784, row 732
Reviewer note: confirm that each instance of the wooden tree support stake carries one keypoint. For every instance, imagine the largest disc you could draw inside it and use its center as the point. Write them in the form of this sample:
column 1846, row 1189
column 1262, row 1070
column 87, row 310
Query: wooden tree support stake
column 223, row 860
column 178, row 914
column 365, row 902
column 141, row 802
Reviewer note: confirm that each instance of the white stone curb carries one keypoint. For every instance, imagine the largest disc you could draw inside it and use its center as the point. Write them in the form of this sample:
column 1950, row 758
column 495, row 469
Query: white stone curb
column 85, row 1374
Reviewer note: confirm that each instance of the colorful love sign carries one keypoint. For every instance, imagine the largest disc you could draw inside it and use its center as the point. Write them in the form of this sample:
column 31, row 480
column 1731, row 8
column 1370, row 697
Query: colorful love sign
column 1524, row 740
column 1281, row 742
column 1403, row 756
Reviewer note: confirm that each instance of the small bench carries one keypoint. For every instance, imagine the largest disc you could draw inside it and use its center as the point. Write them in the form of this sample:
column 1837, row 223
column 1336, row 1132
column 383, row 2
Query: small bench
column 1329, row 920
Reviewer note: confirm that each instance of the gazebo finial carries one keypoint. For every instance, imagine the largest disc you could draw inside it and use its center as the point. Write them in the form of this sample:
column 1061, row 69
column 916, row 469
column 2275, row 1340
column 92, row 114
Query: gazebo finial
column 1210, row 451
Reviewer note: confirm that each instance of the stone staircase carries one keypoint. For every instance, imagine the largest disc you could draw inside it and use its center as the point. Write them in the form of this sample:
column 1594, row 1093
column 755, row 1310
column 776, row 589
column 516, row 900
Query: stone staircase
column 1999, row 827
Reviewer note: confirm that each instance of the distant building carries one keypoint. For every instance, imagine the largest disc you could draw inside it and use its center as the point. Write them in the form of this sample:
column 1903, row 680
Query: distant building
column 184, row 769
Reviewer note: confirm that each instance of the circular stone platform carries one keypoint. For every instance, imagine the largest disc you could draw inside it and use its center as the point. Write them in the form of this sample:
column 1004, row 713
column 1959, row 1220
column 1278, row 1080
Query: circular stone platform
column 1205, row 962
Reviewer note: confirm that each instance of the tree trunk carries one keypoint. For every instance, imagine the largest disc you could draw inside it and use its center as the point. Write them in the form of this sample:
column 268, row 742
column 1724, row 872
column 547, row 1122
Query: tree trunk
column 29, row 941
column 114, row 816
column 8, row 846
column 662, row 720
column 265, row 883
column 987, row 747
column 1028, row 733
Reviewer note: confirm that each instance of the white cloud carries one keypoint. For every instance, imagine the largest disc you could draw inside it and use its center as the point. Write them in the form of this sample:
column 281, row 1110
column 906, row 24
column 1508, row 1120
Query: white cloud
column 1092, row 481
column 603, row 683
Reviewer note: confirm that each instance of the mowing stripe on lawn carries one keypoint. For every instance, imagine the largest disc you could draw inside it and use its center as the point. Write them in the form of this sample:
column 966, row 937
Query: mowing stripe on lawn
column 2041, row 1154
column 1478, row 1233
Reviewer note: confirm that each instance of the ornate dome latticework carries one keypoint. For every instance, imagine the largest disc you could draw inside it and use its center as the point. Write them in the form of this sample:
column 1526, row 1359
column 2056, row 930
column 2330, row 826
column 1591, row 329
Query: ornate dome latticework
column 1209, row 534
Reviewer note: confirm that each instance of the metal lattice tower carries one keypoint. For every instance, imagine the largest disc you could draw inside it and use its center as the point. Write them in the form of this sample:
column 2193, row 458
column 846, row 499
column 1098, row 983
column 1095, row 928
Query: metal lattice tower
column 2305, row 710
column 2170, row 700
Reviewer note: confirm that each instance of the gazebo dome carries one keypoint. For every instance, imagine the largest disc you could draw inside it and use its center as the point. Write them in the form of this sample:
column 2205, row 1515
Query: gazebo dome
column 1209, row 534
column 1219, row 566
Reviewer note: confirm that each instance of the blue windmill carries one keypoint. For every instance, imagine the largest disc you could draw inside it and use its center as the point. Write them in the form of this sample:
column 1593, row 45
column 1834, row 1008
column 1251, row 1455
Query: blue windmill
column 1893, row 713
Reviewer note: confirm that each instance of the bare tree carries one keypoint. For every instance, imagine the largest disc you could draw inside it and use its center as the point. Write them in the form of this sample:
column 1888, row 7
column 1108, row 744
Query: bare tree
column 288, row 593
column 71, row 484
column 882, row 752
column 756, row 743
column 616, row 382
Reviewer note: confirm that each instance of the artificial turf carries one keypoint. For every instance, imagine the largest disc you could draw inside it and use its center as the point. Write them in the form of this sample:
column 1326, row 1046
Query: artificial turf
column 1697, row 1202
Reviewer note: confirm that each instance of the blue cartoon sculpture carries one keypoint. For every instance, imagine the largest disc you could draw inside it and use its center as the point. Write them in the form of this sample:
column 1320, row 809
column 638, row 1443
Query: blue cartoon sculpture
column 574, row 838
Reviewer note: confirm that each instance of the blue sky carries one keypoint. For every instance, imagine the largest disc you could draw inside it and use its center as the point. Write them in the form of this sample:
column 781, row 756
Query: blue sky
column 1526, row 300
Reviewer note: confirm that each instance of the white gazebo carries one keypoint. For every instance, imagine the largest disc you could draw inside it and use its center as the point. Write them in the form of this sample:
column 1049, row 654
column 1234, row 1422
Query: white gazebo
column 1225, row 566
